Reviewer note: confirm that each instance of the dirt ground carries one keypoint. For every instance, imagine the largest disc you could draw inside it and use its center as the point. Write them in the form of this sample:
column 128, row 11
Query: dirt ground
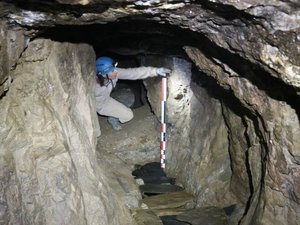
column 119, row 151
column 138, row 141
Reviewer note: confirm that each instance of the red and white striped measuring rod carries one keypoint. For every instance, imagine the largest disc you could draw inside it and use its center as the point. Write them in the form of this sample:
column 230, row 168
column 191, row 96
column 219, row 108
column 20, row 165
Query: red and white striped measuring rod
column 163, row 125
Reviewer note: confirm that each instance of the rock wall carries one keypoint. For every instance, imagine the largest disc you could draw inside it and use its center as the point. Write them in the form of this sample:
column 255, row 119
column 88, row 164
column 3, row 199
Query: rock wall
column 233, row 141
column 12, row 44
column 271, row 144
column 262, row 34
column 197, row 143
column 49, row 173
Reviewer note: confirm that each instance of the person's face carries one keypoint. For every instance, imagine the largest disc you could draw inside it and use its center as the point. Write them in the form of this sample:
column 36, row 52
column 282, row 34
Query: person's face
column 112, row 75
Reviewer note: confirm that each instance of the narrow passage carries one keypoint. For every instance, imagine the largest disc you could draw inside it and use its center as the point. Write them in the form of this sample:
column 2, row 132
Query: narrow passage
column 131, row 159
column 165, row 203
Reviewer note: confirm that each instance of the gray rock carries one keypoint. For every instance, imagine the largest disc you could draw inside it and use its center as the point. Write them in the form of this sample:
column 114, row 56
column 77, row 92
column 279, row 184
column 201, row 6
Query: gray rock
column 207, row 215
column 48, row 142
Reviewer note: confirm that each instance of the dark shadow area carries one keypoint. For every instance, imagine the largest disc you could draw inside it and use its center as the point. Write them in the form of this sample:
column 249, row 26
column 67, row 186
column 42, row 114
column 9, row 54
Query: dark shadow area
column 54, row 7
column 171, row 220
column 155, row 179
column 3, row 94
column 132, row 88
column 5, row 91
column 126, row 38
column 248, row 166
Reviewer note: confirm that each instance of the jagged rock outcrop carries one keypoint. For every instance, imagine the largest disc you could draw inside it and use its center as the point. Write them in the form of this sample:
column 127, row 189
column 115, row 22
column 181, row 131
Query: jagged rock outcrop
column 12, row 44
column 271, row 145
column 49, row 172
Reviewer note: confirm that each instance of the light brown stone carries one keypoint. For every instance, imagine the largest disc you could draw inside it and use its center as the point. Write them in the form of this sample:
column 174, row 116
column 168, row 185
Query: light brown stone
column 206, row 215
column 147, row 217
column 169, row 200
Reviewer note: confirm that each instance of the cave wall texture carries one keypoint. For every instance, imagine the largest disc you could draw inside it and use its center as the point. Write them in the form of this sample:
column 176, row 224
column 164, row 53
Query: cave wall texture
column 272, row 148
column 48, row 168
column 190, row 147
column 245, row 93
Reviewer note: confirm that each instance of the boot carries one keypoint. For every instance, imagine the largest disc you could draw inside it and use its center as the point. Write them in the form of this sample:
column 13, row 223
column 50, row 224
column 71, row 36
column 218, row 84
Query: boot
column 115, row 123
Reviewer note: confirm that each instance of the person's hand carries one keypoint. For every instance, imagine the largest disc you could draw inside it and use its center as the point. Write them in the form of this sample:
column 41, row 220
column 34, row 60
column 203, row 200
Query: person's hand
column 163, row 72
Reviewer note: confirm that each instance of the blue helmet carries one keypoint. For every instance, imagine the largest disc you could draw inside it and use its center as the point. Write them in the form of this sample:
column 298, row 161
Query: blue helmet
column 105, row 65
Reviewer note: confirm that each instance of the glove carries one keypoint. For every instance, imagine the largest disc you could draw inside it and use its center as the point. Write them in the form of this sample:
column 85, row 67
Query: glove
column 162, row 71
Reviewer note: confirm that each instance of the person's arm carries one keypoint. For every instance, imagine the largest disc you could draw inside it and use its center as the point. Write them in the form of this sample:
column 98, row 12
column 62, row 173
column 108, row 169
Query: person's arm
column 136, row 73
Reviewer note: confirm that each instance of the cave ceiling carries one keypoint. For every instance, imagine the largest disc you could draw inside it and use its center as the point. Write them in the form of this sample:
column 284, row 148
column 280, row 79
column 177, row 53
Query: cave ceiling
column 265, row 33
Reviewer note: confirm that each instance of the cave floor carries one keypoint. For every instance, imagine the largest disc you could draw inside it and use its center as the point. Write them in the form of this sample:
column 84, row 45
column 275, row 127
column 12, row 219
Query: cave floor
column 137, row 144
column 120, row 151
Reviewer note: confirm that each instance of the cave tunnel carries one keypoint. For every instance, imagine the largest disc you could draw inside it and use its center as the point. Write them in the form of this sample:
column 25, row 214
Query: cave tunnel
column 232, row 120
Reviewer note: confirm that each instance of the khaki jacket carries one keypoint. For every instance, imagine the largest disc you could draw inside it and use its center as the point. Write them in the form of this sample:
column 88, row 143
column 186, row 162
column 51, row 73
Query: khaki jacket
column 103, row 93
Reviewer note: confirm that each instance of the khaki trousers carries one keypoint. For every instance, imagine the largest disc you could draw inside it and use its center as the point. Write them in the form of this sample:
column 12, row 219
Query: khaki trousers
column 113, row 108
column 116, row 109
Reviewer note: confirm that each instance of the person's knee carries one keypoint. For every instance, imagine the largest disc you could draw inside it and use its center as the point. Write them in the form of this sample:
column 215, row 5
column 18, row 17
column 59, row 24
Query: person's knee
column 127, row 117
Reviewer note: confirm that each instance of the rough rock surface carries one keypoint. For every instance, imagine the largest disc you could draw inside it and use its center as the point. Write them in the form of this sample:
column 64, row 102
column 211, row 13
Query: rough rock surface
column 205, row 215
column 258, row 37
column 190, row 147
column 235, row 124
column 12, row 44
column 49, row 172
column 271, row 148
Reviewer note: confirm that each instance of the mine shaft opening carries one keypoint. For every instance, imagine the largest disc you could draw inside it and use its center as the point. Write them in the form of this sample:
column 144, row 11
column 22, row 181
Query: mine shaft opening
column 203, row 117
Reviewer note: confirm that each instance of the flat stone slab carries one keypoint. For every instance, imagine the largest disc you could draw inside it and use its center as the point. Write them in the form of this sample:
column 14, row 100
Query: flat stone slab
column 169, row 200
column 159, row 188
column 205, row 215
column 152, row 169
column 169, row 212
column 146, row 217
column 158, row 180
column 171, row 220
